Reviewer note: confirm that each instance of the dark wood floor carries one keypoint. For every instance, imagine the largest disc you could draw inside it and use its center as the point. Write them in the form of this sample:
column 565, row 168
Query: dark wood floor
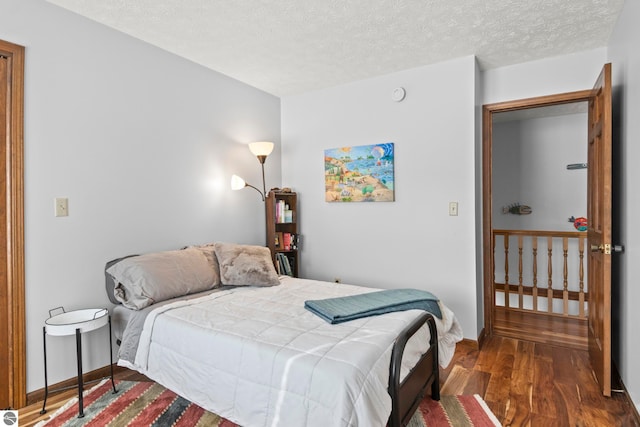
column 552, row 330
column 533, row 384
column 524, row 383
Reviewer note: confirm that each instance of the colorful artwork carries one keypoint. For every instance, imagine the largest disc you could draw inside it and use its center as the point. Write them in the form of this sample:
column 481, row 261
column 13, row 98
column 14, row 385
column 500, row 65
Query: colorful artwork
column 359, row 174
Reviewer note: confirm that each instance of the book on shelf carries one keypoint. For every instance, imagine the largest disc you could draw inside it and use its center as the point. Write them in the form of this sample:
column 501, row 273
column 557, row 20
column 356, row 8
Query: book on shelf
column 281, row 207
column 284, row 267
column 284, row 214
column 287, row 266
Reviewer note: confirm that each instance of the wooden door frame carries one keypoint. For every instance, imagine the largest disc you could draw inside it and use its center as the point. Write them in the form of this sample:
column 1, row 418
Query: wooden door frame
column 14, row 215
column 487, row 193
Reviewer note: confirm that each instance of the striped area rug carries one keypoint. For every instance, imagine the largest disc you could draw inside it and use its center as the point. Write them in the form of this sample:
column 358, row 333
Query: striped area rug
column 454, row 411
column 142, row 404
column 137, row 404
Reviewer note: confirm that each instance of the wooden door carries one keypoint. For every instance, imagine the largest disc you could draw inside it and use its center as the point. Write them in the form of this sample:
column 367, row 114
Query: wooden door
column 12, row 307
column 5, row 374
column 599, row 229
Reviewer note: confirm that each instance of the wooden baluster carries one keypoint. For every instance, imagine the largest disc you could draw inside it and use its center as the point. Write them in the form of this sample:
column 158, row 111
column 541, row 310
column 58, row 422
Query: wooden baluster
column 550, row 271
column 581, row 242
column 565, row 273
column 506, row 271
column 534, row 245
column 520, row 288
column 493, row 268
column 523, row 288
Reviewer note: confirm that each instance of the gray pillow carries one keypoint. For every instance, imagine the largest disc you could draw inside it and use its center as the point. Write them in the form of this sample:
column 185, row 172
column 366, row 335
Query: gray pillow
column 146, row 279
column 208, row 250
column 245, row 265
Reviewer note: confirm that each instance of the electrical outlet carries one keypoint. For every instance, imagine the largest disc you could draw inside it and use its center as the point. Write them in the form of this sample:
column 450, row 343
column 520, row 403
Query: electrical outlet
column 453, row 208
column 61, row 206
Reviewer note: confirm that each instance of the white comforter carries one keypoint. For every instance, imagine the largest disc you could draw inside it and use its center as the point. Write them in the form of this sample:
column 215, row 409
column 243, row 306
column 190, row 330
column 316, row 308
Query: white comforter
column 256, row 357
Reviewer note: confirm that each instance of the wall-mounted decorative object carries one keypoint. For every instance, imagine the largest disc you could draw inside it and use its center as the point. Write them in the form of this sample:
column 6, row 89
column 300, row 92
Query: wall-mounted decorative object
column 574, row 166
column 359, row 174
column 517, row 209
column 580, row 223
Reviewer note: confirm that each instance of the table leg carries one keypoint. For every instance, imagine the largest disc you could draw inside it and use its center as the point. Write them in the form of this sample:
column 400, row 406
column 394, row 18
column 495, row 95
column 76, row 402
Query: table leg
column 46, row 384
column 111, row 357
column 80, row 382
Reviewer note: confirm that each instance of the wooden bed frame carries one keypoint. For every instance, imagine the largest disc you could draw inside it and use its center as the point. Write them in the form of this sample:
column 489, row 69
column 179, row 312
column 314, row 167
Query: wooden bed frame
column 406, row 395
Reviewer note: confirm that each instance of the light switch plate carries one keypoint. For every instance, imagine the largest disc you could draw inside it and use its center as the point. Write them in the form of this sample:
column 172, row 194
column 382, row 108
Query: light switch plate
column 61, row 206
column 453, row 208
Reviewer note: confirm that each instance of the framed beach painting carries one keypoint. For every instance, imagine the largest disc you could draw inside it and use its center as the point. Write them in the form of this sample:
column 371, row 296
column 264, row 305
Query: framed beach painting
column 361, row 173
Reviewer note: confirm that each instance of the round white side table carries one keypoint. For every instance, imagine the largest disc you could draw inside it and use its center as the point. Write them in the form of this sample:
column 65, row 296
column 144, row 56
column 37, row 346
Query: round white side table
column 75, row 322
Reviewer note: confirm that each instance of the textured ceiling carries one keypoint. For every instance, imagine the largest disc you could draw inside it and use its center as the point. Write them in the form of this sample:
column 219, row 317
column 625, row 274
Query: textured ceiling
column 287, row 47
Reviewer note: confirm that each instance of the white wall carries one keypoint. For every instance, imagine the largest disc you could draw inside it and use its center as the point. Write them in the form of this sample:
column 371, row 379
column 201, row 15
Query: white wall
column 506, row 180
column 530, row 159
column 143, row 144
column 478, row 192
column 411, row 242
column 544, row 77
column 625, row 59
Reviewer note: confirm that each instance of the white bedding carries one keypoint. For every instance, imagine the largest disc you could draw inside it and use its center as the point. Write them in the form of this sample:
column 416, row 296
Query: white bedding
column 256, row 357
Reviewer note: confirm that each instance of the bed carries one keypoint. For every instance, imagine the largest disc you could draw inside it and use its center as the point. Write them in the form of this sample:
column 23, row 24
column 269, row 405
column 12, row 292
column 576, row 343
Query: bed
column 247, row 349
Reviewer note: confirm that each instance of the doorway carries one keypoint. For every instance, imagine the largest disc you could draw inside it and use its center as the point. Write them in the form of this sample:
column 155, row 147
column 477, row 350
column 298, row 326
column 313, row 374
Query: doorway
column 489, row 111
column 12, row 300
column 539, row 192
column 595, row 245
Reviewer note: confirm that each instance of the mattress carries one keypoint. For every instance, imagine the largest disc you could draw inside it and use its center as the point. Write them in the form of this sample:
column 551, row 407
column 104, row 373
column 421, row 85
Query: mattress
column 256, row 357
column 127, row 324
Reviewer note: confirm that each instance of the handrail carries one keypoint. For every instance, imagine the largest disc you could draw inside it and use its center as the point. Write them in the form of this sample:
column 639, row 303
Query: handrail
column 540, row 233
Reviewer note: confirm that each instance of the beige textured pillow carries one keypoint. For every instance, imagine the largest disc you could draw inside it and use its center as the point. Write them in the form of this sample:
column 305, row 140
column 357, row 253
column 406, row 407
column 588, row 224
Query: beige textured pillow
column 245, row 265
column 146, row 279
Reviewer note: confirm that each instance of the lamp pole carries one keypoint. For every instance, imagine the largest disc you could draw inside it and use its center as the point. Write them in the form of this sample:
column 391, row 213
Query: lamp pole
column 262, row 159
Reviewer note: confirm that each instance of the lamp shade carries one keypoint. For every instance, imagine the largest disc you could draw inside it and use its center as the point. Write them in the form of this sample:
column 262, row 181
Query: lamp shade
column 262, row 148
column 237, row 183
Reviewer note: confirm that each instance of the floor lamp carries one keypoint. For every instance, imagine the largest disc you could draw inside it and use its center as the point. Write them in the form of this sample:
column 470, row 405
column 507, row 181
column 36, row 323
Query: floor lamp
column 261, row 150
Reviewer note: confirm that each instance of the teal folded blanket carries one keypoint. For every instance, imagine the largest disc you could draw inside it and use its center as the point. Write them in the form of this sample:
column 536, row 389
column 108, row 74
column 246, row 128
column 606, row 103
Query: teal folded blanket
column 343, row 309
